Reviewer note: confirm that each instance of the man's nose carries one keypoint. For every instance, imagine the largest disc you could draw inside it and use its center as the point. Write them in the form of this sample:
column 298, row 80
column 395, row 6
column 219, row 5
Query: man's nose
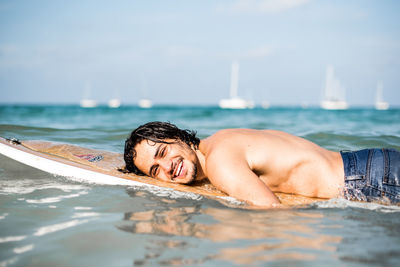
column 166, row 165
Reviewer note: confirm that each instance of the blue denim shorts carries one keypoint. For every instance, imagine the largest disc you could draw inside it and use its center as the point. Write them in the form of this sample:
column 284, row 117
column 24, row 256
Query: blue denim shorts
column 372, row 175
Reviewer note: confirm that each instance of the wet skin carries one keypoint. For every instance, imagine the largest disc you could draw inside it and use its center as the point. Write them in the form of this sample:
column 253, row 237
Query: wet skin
column 247, row 164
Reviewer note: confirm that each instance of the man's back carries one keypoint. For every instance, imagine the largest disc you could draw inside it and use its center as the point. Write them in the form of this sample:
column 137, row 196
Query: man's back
column 283, row 162
column 251, row 164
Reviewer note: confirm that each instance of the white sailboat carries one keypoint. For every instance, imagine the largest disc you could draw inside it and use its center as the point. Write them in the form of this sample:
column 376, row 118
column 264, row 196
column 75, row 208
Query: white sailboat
column 87, row 101
column 145, row 103
column 235, row 102
column 115, row 102
column 334, row 92
column 380, row 104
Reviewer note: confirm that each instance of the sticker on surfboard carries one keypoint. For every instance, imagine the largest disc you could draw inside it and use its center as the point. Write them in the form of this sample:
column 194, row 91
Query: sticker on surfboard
column 90, row 157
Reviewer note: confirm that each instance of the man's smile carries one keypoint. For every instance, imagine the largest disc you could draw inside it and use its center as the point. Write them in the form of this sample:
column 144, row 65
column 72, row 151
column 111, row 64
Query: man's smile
column 178, row 168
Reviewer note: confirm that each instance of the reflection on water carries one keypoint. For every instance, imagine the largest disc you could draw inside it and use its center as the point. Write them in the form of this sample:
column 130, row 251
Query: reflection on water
column 247, row 236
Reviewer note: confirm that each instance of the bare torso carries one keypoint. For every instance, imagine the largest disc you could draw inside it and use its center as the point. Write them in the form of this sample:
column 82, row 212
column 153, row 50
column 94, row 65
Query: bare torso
column 283, row 162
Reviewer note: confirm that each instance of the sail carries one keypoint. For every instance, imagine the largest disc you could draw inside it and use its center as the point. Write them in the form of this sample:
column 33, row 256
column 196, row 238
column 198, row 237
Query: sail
column 87, row 101
column 235, row 102
column 380, row 104
column 334, row 93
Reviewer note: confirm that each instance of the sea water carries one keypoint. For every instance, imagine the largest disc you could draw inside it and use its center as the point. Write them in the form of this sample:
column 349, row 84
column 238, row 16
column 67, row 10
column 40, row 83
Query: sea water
column 48, row 220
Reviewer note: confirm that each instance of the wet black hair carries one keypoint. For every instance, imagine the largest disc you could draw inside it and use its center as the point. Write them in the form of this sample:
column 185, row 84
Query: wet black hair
column 157, row 132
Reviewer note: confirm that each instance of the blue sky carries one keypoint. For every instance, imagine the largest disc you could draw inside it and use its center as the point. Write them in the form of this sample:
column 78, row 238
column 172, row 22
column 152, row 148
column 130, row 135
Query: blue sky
column 180, row 52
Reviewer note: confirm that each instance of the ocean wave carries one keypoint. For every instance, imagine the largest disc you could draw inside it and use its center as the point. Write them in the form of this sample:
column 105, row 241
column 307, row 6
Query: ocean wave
column 54, row 199
column 12, row 238
column 14, row 127
column 166, row 192
column 344, row 203
column 351, row 141
column 27, row 186
column 58, row 227
column 82, row 208
column 85, row 214
column 23, row 249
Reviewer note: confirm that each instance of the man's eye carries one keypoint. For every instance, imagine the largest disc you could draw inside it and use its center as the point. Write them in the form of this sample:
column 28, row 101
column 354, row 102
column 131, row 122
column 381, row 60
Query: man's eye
column 162, row 154
column 155, row 171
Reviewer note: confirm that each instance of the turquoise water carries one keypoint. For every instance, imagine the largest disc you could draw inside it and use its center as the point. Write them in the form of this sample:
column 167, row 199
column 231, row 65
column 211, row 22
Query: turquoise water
column 48, row 220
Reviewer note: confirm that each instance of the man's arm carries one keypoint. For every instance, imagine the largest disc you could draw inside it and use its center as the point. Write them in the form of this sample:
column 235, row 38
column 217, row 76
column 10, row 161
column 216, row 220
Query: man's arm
column 232, row 175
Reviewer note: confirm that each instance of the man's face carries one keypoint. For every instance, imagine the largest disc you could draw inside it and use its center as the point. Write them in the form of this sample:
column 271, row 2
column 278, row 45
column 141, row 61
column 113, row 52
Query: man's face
column 175, row 162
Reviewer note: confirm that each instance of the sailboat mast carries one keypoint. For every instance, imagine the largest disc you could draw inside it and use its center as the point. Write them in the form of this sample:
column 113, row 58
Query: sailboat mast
column 234, row 79
column 329, row 83
column 379, row 92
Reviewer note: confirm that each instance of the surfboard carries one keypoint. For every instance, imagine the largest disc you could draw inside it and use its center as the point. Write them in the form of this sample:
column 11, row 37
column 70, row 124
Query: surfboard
column 102, row 167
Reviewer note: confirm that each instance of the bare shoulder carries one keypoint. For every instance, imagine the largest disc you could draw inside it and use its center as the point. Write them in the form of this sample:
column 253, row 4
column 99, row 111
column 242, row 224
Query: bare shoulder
column 228, row 166
column 224, row 144
column 226, row 151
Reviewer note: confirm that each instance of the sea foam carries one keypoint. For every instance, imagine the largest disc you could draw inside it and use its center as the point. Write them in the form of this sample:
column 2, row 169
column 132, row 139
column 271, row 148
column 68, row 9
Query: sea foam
column 344, row 203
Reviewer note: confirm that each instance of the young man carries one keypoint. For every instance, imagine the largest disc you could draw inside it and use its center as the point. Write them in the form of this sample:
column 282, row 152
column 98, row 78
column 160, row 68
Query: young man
column 252, row 164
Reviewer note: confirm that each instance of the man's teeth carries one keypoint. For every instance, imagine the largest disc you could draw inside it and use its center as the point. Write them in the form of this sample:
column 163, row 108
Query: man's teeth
column 179, row 169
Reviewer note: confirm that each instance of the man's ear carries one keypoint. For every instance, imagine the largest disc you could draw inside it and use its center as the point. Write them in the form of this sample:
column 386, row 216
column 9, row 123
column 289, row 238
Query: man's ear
column 193, row 147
